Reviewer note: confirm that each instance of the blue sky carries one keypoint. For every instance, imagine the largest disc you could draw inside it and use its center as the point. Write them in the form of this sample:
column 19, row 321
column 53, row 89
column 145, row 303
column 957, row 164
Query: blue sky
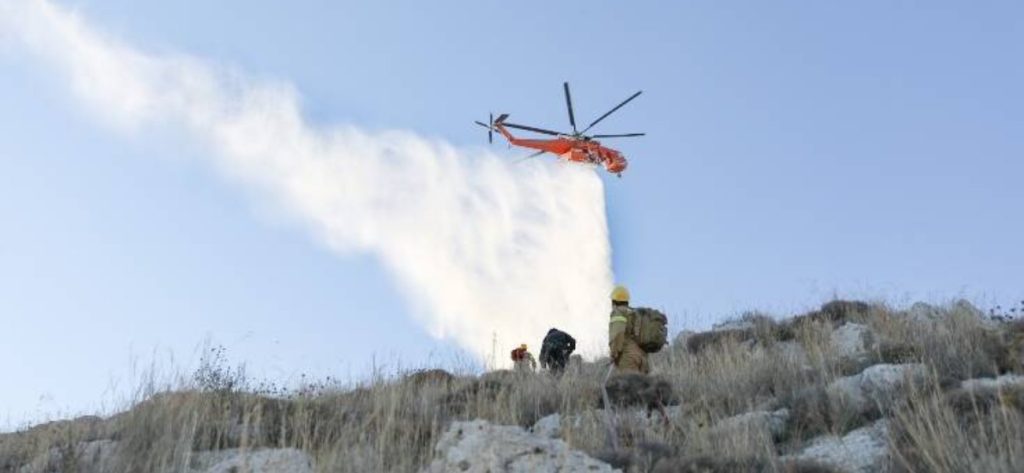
column 795, row 151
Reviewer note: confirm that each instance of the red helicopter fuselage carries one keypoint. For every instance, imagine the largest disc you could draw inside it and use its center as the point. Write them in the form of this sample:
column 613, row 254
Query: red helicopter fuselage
column 577, row 150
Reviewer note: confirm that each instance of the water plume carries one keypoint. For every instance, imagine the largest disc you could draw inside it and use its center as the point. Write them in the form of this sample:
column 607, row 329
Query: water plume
column 478, row 245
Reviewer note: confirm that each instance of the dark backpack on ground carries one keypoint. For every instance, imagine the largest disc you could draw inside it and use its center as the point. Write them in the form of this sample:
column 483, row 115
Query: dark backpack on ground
column 650, row 329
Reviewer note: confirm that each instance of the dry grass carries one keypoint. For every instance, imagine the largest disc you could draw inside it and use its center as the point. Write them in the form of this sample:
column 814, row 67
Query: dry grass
column 391, row 423
column 961, row 432
column 385, row 425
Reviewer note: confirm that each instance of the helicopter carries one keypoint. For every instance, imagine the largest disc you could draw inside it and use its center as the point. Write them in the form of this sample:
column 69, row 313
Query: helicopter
column 576, row 147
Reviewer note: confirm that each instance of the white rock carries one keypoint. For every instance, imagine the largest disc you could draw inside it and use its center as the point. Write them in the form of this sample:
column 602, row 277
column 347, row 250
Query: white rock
column 853, row 341
column 923, row 312
column 679, row 341
column 479, row 446
column 767, row 423
column 793, row 353
column 992, row 383
column 102, row 456
column 89, row 457
column 927, row 313
column 865, row 450
column 739, row 324
column 878, row 384
column 883, row 380
column 271, row 460
column 847, row 391
column 548, row 427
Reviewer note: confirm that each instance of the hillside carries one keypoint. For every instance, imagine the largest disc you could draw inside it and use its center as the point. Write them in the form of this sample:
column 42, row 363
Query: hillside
column 852, row 387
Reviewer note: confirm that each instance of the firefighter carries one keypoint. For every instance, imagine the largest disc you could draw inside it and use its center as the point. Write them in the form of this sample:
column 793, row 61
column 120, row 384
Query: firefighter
column 624, row 351
column 522, row 360
column 555, row 350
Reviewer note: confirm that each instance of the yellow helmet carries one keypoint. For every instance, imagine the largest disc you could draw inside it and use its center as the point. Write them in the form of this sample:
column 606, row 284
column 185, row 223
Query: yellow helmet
column 522, row 347
column 620, row 294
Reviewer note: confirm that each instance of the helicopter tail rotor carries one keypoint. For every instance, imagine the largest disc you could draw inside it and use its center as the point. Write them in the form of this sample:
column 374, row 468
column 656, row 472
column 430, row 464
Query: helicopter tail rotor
column 489, row 126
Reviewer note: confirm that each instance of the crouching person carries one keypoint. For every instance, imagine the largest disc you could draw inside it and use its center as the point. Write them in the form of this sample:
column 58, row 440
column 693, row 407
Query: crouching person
column 555, row 351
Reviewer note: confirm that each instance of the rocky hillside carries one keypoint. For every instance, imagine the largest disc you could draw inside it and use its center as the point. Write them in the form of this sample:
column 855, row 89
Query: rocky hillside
column 852, row 387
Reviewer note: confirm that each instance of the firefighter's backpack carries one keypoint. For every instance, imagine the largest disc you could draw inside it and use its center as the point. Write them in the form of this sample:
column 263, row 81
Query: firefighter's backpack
column 650, row 329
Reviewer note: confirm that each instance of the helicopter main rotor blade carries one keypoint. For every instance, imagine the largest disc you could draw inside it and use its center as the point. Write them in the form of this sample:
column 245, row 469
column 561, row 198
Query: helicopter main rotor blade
column 622, row 135
column 530, row 128
column 534, row 155
column 602, row 117
column 568, row 104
